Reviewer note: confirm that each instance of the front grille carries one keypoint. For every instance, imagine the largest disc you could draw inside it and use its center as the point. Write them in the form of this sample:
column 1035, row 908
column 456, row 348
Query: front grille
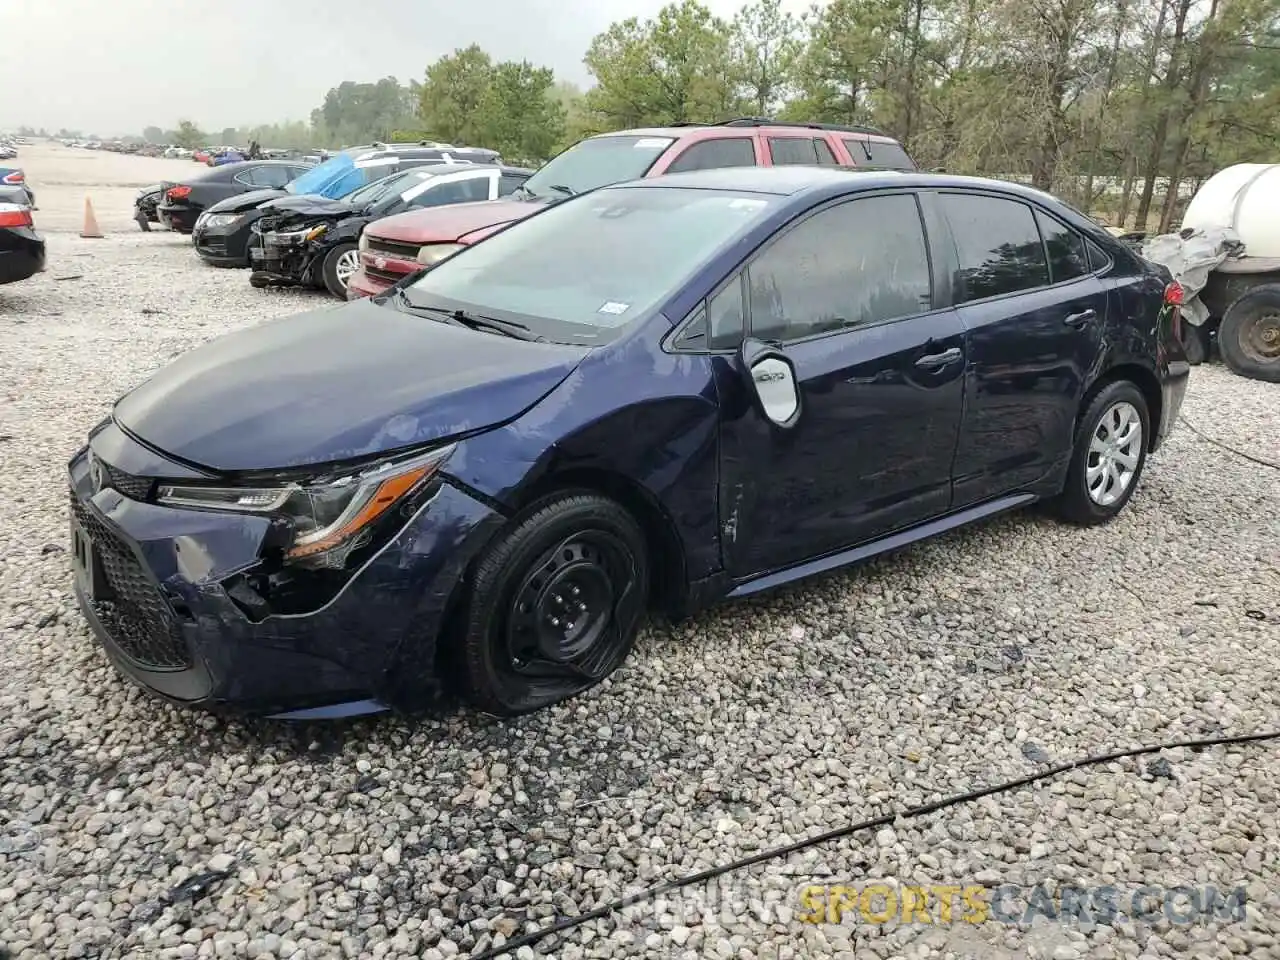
column 386, row 275
column 390, row 248
column 137, row 616
column 126, row 484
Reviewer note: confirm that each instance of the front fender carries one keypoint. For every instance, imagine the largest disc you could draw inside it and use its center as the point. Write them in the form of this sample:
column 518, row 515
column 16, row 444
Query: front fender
column 630, row 411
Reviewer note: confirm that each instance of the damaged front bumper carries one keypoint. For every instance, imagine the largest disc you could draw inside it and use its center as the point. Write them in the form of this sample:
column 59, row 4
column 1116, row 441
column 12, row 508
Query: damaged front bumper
column 163, row 590
column 284, row 256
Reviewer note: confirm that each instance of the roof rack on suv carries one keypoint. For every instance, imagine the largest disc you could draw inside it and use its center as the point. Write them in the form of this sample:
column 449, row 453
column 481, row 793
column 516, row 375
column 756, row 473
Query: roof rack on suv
column 766, row 122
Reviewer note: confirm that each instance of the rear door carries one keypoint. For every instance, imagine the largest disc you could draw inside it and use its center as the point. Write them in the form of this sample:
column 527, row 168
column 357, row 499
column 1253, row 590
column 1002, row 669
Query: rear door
column 1035, row 315
column 848, row 293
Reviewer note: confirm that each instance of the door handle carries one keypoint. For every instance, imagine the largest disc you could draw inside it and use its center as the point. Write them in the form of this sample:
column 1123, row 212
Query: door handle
column 936, row 361
column 1081, row 318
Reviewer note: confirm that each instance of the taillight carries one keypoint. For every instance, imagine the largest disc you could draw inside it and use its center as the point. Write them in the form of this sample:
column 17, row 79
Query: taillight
column 179, row 193
column 1174, row 296
column 15, row 176
column 20, row 217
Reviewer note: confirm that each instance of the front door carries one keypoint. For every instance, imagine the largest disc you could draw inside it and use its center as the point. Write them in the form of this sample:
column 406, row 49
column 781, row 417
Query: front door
column 1035, row 316
column 847, row 296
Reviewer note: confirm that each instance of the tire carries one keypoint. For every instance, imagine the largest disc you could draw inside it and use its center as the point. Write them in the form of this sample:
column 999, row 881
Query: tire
column 258, row 281
column 339, row 264
column 1249, row 336
column 143, row 223
column 514, row 651
column 1079, row 504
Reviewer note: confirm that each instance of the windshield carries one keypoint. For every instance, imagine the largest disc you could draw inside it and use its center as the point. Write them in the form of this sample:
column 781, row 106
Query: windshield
column 580, row 270
column 321, row 176
column 381, row 189
column 597, row 162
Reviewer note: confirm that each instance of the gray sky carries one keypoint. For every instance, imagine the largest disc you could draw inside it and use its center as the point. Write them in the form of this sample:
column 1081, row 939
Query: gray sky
column 115, row 66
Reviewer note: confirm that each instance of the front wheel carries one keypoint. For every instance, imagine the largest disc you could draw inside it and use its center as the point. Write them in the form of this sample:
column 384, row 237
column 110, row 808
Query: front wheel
column 340, row 265
column 555, row 604
column 143, row 223
column 1110, row 452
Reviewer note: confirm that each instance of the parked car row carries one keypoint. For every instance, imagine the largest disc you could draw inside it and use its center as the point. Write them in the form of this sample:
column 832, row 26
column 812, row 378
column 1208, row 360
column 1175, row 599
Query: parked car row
column 300, row 224
column 619, row 392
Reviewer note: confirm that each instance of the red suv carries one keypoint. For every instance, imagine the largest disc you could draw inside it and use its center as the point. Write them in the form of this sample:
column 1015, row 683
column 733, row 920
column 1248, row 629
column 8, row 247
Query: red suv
column 394, row 247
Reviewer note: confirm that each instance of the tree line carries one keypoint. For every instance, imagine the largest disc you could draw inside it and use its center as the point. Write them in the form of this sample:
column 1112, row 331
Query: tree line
column 1112, row 104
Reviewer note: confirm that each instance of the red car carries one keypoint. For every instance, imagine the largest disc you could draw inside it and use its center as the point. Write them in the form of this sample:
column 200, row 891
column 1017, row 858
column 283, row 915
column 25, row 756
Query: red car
column 397, row 246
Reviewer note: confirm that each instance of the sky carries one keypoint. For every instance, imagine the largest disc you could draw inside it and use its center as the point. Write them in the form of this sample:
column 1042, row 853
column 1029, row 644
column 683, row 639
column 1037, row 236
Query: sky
column 112, row 67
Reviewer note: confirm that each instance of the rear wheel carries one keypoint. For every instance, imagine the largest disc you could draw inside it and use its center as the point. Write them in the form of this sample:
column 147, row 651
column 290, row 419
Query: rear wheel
column 1249, row 336
column 1110, row 452
column 555, row 604
column 340, row 265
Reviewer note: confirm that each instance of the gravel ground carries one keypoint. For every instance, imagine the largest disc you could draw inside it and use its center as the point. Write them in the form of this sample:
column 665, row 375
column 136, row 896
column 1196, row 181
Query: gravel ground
column 130, row 829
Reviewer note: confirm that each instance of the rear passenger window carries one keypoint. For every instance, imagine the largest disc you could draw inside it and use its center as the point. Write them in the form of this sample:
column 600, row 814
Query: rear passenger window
column 715, row 154
column 825, row 156
column 1067, row 257
column 858, row 263
column 1099, row 259
column 998, row 243
column 882, row 154
column 792, row 151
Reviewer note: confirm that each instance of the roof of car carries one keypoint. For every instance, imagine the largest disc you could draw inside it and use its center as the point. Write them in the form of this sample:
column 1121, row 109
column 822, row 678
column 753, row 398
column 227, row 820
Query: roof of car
column 788, row 180
column 710, row 130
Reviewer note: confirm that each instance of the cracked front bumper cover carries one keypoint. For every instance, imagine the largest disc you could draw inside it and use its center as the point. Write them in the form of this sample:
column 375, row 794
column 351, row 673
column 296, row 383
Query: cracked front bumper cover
column 158, row 602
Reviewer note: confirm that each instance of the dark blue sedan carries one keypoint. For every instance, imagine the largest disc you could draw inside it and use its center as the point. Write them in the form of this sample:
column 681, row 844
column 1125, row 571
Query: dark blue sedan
column 645, row 398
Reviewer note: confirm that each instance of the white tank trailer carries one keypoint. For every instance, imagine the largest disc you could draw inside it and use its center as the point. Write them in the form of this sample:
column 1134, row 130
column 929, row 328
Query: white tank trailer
column 1241, row 294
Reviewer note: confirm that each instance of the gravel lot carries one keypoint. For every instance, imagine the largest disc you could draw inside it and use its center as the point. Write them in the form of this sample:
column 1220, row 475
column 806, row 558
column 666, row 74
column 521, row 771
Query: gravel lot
column 962, row 662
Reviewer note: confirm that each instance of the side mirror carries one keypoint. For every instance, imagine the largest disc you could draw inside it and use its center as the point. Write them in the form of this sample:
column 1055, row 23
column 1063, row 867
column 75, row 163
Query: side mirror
column 772, row 382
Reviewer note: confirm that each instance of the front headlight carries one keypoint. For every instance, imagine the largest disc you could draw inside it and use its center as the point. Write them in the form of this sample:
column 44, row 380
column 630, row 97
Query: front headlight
column 435, row 252
column 220, row 219
column 329, row 516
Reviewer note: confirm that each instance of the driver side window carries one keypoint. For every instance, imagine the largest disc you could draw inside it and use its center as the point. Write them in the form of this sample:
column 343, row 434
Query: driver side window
column 861, row 262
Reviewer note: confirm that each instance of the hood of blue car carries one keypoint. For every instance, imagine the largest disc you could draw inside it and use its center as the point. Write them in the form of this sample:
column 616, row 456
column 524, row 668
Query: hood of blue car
column 337, row 384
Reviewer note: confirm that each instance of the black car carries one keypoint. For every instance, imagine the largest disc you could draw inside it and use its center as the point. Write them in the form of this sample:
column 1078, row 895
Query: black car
column 21, row 248
column 144, row 207
column 182, row 203
column 223, row 231
column 313, row 240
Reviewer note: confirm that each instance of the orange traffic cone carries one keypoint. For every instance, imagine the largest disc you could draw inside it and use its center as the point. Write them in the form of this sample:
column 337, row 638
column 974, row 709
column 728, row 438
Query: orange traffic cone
column 90, row 229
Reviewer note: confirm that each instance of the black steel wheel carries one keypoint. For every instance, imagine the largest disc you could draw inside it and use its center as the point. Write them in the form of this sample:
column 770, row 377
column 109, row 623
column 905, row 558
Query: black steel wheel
column 555, row 604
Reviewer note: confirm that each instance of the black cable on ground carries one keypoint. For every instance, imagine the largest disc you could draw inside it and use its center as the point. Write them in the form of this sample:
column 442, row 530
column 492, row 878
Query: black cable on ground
column 1222, row 446
column 599, row 913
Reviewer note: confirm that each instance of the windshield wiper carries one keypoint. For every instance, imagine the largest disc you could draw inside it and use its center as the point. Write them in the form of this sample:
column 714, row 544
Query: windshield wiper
column 473, row 321
column 561, row 188
column 524, row 193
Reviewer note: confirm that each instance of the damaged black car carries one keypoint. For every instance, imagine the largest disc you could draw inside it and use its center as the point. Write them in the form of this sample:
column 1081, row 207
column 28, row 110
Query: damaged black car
column 313, row 241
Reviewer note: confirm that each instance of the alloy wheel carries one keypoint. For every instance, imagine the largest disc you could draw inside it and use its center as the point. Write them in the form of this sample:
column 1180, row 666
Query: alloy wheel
column 346, row 267
column 1115, row 452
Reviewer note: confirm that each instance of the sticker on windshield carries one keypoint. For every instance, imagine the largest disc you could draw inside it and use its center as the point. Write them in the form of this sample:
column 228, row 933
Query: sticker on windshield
column 614, row 307
column 746, row 203
column 651, row 143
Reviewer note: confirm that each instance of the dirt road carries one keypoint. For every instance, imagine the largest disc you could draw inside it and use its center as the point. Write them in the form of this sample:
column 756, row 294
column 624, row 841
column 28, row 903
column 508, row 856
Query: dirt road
column 63, row 176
